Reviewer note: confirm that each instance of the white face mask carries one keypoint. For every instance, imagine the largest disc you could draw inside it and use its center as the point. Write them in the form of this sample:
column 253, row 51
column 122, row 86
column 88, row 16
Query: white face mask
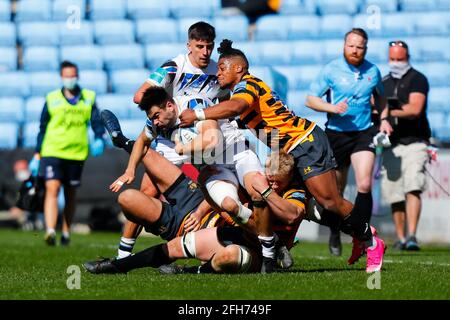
column 399, row 68
column 69, row 83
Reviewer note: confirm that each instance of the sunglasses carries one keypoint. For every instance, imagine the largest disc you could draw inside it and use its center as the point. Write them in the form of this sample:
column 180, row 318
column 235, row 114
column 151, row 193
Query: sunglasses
column 398, row 43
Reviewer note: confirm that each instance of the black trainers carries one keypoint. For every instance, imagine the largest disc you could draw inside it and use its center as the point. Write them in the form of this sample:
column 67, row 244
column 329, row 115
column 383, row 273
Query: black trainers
column 101, row 266
column 268, row 265
column 50, row 239
column 334, row 243
column 112, row 125
column 65, row 241
column 411, row 244
column 284, row 258
column 399, row 245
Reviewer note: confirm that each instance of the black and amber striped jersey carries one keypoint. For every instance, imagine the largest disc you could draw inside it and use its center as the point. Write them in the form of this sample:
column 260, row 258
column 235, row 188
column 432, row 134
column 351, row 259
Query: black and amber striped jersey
column 211, row 220
column 282, row 129
column 286, row 233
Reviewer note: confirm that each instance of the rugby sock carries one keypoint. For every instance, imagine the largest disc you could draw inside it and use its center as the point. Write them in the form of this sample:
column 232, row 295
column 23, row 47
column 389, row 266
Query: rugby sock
column 51, row 231
column 268, row 246
column 152, row 257
column 125, row 247
column 206, row 267
column 66, row 234
column 359, row 218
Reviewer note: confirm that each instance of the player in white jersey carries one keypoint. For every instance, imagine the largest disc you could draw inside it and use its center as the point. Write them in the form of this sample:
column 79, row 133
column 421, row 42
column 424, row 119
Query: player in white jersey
column 191, row 73
column 232, row 162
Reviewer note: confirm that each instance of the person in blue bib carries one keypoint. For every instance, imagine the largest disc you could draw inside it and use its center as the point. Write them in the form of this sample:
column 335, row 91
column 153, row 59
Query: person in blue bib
column 63, row 146
column 348, row 89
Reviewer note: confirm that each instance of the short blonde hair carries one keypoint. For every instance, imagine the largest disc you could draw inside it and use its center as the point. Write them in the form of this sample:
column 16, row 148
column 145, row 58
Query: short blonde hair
column 280, row 163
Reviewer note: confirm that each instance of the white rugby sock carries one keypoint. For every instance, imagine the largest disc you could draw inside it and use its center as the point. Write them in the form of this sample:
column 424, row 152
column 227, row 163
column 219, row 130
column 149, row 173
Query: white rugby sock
column 125, row 247
column 268, row 246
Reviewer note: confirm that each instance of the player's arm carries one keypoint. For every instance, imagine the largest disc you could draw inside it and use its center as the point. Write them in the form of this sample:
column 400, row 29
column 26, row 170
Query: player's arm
column 137, row 153
column 285, row 210
column 207, row 138
column 192, row 223
column 223, row 110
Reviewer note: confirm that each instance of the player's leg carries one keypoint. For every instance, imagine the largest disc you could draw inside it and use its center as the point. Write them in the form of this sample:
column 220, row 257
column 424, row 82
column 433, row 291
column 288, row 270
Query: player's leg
column 52, row 188
column 399, row 218
column 70, row 194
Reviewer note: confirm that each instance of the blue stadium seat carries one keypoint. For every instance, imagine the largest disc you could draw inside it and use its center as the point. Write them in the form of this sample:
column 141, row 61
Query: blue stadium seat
column 74, row 36
column 277, row 81
column 333, row 49
column 271, row 27
column 14, row 84
column 33, row 10
column 184, row 24
column 114, row 32
column 307, row 52
column 437, row 120
column 320, row 118
column 8, row 59
column 335, row 26
column 157, row 54
column 384, row 68
column 132, row 128
column 42, row 83
column 231, row 27
column 443, row 5
column 371, row 23
column 433, row 24
column 128, row 81
column 156, row 31
column 275, row 52
column 7, row 34
column 433, row 49
column 107, row 10
column 40, row 59
column 8, row 138
column 296, row 102
column 377, row 50
column 38, row 34
column 262, row 73
column 303, row 27
column 398, row 24
column 30, row 132
column 252, row 51
column 123, row 57
column 63, row 10
column 5, row 10
column 194, row 8
column 383, row 5
column 85, row 57
column 417, row 5
column 348, row 7
column 33, row 108
column 438, row 99
column 138, row 9
column 297, row 7
column 11, row 109
column 438, row 74
column 300, row 77
column 96, row 80
column 117, row 103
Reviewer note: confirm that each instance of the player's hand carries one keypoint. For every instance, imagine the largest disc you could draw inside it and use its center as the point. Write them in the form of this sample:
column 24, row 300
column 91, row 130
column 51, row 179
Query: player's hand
column 260, row 182
column 341, row 107
column 178, row 144
column 192, row 223
column 187, row 118
column 386, row 127
column 127, row 178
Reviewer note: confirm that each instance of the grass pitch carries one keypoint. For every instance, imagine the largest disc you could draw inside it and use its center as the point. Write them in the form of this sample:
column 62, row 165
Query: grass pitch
column 31, row 270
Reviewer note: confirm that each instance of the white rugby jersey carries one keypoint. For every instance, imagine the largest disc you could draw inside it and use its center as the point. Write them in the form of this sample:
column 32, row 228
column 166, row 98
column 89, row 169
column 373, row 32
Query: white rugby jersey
column 180, row 78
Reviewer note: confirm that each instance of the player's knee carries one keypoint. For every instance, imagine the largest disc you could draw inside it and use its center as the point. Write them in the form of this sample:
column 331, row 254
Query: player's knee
column 230, row 205
column 365, row 185
column 228, row 259
column 330, row 203
column 125, row 198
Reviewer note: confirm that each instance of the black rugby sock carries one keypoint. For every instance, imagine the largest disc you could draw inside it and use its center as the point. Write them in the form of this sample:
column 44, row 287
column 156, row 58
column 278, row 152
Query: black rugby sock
column 123, row 142
column 359, row 218
column 152, row 257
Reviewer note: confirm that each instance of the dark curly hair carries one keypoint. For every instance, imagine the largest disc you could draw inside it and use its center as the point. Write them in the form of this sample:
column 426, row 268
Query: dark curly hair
column 227, row 51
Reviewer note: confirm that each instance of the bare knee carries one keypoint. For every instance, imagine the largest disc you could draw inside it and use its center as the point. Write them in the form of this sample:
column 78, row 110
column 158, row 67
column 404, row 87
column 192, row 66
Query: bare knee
column 125, row 198
column 365, row 185
column 227, row 259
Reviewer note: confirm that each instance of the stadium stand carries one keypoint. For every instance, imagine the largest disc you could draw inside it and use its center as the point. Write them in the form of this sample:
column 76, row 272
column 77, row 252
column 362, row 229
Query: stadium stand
column 33, row 108
column 9, row 136
column 11, row 109
column 117, row 43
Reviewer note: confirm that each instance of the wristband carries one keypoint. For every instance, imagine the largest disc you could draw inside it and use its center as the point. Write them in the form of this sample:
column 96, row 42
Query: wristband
column 266, row 193
column 200, row 114
column 385, row 118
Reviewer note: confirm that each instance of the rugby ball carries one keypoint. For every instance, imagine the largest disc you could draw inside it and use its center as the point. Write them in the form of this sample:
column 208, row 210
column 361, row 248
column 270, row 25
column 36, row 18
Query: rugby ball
column 186, row 135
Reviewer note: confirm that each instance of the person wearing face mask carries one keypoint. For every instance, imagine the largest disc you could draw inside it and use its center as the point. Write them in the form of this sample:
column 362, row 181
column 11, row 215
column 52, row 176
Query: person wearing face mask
column 403, row 172
column 63, row 146
column 345, row 89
